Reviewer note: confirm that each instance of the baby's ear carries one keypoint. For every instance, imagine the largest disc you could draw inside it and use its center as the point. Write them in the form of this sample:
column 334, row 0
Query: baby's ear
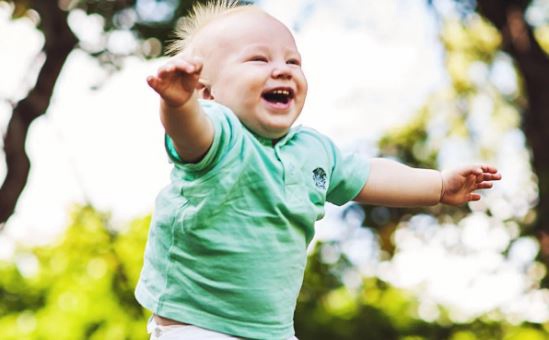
column 204, row 90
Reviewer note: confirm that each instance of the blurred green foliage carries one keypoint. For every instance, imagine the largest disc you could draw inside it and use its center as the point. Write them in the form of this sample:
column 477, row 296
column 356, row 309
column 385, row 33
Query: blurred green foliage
column 79, row 288
column 82, row 288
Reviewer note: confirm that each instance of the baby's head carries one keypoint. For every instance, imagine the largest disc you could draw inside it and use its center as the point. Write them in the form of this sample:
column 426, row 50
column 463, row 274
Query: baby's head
column 250, row 64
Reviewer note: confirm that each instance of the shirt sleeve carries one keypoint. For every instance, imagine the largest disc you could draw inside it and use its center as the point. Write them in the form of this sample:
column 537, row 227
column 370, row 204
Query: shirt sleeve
column 227, row 130
column 350, row 172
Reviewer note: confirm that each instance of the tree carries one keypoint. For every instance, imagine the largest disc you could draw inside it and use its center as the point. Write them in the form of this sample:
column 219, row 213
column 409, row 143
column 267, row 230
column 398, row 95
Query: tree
column 60, row 41
column 520, row 41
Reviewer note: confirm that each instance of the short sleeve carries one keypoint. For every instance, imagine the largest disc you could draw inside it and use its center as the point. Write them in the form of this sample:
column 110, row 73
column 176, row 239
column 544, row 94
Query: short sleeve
column 227, row 129
column 350, row 172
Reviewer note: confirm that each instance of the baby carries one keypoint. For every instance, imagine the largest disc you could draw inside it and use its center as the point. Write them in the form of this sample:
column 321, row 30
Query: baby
column 227, row 245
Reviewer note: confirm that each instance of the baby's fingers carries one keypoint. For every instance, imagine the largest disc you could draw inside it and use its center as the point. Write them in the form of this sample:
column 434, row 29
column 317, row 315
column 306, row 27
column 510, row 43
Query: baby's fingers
column 488, row 177
column 490, row 173
column 489, row 169
column 492, row 177
column 166, row 71
column 179, row 65
column 485, row 185
column 475, row 170
column 483, row 173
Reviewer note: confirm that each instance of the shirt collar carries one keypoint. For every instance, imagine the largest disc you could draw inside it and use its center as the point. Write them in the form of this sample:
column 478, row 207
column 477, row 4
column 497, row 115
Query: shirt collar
column 270, row 142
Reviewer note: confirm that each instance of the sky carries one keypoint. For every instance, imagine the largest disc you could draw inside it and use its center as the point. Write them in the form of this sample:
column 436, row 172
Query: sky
column 101, row 142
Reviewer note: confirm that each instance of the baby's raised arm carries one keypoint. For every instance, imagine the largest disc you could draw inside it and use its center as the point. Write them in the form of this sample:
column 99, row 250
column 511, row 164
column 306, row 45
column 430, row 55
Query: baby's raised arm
column 394, row 184
column 184, row 121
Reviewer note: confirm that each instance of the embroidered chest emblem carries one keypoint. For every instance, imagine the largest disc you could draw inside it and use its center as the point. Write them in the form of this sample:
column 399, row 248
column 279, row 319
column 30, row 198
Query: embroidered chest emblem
column 319, row 176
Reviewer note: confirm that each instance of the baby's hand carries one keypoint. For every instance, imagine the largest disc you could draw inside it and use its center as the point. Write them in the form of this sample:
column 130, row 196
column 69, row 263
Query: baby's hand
column 458, row 185
column 176, row 81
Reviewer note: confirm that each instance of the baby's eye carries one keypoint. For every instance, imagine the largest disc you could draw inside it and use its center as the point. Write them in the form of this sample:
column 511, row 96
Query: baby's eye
column 259, row 58
column 293, row 62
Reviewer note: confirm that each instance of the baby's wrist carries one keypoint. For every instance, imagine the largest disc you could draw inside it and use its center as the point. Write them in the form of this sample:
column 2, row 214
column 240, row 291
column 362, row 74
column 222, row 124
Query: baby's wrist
column 428, row 188
column 179, row 105
column 442, row 189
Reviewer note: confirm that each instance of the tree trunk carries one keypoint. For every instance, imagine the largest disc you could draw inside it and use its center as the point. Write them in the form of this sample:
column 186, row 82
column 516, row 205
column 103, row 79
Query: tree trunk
column 59, row 42
column 533, row 63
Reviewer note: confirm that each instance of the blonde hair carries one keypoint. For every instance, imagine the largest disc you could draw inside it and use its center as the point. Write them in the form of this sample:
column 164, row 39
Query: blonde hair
column 199, row 17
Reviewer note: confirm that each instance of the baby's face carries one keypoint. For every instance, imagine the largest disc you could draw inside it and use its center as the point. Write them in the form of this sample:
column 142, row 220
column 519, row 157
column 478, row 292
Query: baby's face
column 252, row 66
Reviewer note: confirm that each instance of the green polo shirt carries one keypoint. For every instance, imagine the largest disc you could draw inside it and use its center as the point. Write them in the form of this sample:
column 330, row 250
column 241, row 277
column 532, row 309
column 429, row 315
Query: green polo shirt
column 227, row 245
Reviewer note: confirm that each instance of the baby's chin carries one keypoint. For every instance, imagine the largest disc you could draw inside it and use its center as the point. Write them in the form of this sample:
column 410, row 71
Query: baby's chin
column 273, row 133
column 267, row 125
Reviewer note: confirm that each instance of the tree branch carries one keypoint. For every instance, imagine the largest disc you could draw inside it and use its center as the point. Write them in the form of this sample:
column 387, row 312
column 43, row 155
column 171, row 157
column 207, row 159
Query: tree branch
column 59, row 42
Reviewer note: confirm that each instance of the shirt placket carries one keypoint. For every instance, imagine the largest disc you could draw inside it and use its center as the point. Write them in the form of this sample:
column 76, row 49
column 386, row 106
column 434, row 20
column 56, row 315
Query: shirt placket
column 291, row 175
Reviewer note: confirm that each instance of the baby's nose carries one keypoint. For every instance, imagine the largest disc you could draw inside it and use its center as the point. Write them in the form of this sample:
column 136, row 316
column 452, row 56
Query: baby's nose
column 282, row 71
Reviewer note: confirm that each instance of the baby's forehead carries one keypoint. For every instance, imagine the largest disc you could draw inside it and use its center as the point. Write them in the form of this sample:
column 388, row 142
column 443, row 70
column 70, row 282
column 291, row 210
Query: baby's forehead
column 243, row 28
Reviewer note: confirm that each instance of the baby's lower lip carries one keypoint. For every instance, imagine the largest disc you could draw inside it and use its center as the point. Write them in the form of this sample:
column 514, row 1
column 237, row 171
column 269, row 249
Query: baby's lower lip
column 278, row 106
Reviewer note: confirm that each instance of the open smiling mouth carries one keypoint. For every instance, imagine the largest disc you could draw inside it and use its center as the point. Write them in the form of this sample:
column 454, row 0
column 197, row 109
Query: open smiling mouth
column 278, row 96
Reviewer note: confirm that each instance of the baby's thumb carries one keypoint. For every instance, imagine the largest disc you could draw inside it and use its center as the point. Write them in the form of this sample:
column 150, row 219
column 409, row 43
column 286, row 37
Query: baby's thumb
column 154, row 83
column 150, row 81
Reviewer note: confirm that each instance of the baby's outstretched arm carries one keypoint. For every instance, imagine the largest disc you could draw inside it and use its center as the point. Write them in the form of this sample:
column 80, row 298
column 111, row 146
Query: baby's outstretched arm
column 397, row 185
column 190, row 129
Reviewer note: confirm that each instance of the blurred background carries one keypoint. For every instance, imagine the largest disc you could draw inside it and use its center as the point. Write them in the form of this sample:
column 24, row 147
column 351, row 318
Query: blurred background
column 430, row 83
